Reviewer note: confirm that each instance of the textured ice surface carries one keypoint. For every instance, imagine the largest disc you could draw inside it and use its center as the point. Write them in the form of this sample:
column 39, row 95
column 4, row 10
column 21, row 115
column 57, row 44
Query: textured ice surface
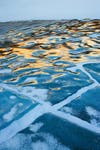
column 50, row 85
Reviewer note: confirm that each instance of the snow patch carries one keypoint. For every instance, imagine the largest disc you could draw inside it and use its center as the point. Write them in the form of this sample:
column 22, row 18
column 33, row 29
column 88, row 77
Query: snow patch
column 35, row 127
column 67, row 110
column 94, row 116
column 10, row 115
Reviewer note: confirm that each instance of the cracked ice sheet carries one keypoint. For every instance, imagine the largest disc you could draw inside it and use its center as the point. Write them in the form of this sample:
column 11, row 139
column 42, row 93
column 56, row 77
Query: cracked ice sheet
column 64, row 85
column 69, row 134
column 17, row 101
column 14, row 105
column 27, row 92
column 94, row 70
column 61, row 85
column 86, row 107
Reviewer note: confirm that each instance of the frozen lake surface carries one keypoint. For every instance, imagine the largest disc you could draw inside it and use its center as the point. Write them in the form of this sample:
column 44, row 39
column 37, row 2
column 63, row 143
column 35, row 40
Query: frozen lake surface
column 50, row 85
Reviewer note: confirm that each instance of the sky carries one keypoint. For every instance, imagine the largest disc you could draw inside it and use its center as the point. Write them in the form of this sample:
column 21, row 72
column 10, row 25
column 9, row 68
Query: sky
column 13, row 10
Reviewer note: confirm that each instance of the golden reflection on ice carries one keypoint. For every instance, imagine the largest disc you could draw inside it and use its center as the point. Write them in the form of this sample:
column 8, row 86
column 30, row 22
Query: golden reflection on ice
column 53, row 46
